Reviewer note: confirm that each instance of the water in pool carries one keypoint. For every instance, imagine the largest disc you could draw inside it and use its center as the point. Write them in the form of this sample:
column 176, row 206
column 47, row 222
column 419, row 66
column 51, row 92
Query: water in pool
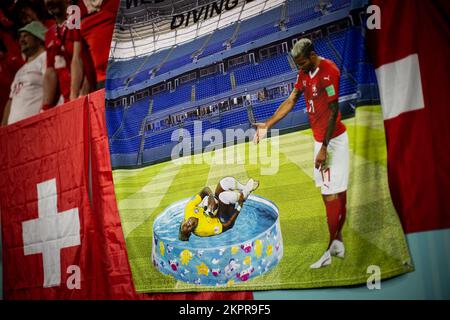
column 252, row 247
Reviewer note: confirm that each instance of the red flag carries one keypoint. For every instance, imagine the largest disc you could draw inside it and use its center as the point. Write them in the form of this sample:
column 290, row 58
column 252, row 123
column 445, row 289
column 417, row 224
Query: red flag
column 49, row 238
column 410, row 54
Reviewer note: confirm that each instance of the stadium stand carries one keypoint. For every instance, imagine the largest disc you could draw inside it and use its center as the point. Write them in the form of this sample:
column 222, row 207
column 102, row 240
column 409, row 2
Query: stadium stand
column 267, row 68
column 245, row 78
column 169, row 99
column 248, row 30
column 213, row 85
column 258, row 27
column 217, row 40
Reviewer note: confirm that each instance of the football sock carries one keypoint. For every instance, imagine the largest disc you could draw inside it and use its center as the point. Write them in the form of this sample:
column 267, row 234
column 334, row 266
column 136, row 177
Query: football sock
column 333, row 208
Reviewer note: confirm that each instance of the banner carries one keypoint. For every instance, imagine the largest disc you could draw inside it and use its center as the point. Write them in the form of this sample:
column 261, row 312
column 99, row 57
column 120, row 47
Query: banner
column 203, row 207
column 414, row 95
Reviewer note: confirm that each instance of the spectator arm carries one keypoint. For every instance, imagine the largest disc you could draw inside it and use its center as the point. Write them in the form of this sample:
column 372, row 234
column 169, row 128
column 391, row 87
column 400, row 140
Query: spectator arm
column 76, row 71
column 50, row 87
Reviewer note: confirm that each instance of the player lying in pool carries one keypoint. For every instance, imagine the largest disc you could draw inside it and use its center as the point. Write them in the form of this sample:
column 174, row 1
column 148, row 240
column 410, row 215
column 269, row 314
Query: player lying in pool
column 209, row 213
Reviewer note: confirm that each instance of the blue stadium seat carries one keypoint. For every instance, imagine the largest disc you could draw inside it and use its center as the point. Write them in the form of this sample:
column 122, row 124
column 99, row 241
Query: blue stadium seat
column 265, row 69
column 255, row 34
column 134, row 116
column 114, row 116
column 233, row 118
column 213, row 85
column 168, row 99
column 181, row 55
column 125, row 145
column 215, row 44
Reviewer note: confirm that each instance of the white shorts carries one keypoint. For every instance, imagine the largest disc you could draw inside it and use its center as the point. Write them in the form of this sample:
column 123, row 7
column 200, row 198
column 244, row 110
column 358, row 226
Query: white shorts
column 334, row 178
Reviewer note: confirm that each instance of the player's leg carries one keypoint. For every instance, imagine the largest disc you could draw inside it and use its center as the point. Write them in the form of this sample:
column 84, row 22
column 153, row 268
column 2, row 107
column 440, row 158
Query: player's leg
column 333, row 209
column 338, row 184
column 325, row 259
column 333, row 181
column 343, row 214
column 230, row 183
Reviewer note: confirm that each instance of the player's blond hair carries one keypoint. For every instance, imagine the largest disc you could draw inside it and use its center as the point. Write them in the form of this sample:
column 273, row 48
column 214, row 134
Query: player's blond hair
column 302, row 47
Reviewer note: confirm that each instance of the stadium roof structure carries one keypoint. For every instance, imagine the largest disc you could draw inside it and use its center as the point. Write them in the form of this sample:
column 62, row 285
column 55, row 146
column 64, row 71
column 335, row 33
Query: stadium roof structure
column 143, row 28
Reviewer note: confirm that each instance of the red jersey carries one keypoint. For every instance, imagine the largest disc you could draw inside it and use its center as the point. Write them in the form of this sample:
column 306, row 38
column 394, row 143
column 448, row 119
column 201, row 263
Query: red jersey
column 59, row 41
column 320, row 88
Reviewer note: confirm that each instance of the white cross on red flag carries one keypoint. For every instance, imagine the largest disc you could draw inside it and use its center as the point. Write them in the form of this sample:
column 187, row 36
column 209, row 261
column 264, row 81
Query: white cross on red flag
column 50, row 242
column 411, row 56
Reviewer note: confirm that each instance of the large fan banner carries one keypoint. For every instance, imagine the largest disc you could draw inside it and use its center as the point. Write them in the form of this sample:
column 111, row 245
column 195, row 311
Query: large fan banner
column 248, row 148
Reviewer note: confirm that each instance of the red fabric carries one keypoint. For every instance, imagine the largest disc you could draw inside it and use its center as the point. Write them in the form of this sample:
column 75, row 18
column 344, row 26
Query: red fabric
column 417, row 141
column 97, row 30
column 317, row 99
column 48, row 23
column 50, row 145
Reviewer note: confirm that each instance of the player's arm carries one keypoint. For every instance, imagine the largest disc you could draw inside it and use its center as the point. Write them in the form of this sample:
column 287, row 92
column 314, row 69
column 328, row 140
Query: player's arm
column 6, row 113
column 334, row 107
column 280, row 113
column 230, row 222
column 321, row 157
column 284, row 108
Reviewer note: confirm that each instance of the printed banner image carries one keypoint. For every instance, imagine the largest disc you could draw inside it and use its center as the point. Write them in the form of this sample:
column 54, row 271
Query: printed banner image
column 282, row 228
column 210, row 197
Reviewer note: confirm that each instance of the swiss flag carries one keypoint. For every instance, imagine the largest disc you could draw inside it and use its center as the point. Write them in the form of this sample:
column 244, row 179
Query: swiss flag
column 61, row 230
column 49, row 236
column 411, row 56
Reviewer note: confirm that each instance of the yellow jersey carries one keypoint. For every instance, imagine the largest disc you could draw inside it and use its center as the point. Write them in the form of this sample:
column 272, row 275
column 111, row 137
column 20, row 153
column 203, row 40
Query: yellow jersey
column 207, row 226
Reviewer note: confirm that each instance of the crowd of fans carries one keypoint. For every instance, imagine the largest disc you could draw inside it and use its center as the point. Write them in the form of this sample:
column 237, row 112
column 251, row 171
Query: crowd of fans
column 48, row 56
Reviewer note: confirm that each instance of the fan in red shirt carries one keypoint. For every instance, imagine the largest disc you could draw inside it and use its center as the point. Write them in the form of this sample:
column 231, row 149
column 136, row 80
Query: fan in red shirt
column 66, row 58
column 318, row 80
column 97, row 26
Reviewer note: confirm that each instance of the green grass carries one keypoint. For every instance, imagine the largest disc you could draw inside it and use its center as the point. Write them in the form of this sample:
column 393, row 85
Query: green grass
column 372, row 234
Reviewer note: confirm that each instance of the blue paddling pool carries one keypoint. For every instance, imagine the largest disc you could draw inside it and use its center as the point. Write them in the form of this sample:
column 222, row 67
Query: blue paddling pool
column 251, row 248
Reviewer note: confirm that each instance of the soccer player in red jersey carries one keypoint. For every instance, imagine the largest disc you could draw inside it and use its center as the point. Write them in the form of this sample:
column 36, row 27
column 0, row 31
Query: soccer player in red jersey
column 318, row 80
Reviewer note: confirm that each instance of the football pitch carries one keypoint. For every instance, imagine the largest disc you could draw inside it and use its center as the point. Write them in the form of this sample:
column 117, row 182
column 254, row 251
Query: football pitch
column 372, row 232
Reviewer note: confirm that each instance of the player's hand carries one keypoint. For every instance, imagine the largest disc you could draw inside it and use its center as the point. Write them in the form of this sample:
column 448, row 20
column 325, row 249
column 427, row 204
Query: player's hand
column 321, row 159
column 261, row 132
